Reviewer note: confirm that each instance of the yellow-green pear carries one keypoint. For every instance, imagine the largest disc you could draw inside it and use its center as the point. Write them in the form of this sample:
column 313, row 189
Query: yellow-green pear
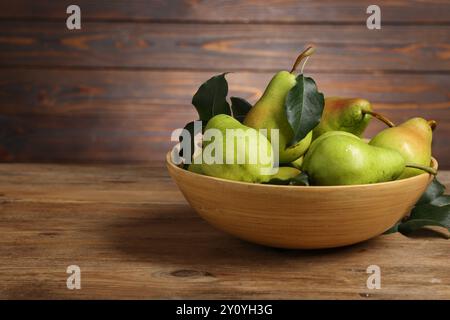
column 412, row 139
column 344, row 114
column 269, row 113
column 347, row 114
column 196, row 166
column 234, row 151
column 341, row 158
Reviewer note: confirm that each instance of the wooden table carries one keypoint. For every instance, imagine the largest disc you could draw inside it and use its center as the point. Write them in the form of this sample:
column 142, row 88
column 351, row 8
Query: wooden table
column 133, row 235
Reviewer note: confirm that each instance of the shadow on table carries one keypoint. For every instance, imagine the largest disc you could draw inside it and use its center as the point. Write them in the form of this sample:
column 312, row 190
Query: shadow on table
column 179, row 236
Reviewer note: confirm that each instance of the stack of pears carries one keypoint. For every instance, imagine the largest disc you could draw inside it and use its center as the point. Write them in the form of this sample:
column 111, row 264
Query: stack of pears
column 333, row 153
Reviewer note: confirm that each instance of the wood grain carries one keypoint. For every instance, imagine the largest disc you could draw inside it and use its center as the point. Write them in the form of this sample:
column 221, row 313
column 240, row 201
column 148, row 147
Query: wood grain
column 134, row 236
column 59, row 102
column 226, row 47
column 285, row 11
column 120, row 116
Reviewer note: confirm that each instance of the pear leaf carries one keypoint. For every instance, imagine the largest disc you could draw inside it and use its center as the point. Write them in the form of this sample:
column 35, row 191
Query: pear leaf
column 412, row 225
column 425, row 212
column 211, row 98
column 299, row 180
column 434, row 190
column 191, row 129
column 441, row 201
column 429, row 211
column 392, row 229
column 426, row 215
column 304, row 106
column 240, row 108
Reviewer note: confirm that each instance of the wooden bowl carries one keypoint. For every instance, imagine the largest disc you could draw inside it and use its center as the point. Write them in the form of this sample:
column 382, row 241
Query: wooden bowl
column 299, row 217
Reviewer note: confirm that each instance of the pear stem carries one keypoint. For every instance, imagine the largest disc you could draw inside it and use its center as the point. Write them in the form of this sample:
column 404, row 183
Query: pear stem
column 432, row 124
column 430, row 170
column 305, row 53
column 380, row 117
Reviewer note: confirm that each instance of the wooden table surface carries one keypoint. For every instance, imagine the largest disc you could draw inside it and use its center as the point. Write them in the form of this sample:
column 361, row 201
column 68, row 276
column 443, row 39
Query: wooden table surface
column 133, row 235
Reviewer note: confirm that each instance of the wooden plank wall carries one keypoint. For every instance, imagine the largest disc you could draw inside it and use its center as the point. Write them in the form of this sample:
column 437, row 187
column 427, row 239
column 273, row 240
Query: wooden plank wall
column 114, row 90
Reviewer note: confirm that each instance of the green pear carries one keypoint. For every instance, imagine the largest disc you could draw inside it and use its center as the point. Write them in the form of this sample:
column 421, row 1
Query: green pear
column 269, row 113
column 344, row 114
column 340, row 158
column 412, row 139
column 249, row 156
column 315, row 143
column 299, row 162
column 196, row 167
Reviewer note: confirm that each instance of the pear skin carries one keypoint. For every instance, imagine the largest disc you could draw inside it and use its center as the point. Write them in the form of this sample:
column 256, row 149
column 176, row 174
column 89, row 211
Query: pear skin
column 247, row 144
column 286, row 173
column 297, row 163
column 412, row 139
column 269, row 113
column 344, row 114
column 195, row 167
column 344, row 159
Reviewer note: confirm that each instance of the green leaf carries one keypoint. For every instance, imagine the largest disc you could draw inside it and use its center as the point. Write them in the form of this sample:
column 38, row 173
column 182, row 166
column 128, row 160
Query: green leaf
column 434, row 190
column 240, row 108
column 441, row 201
column 429, row 211
column 211, row 98
column 413, row 225
column 426, row 215
column 392, row 229
column 432, row 209
column 189, row 127
column 299, row 180
column 304, row 106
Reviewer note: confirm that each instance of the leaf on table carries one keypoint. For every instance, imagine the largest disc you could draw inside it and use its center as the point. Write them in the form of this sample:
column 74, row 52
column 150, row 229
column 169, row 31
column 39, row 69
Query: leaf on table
column 426, row 215
column 304, row 106
column 240, row 107
column 434, row 190
column 427, row 212
column 392, row 229
column 413, row 225
column 441, row 201
column 211, row 98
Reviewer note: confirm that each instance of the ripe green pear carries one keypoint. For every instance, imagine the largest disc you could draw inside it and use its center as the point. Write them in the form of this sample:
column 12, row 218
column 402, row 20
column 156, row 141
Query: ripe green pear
column 195, row 167
column 341, row 158
column 269, row 113
column 344, row 114
column 412, row 139
column 299, row 162
column 249, row 153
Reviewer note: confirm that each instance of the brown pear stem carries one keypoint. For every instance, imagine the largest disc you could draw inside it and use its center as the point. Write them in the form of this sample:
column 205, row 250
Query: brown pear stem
column 430, row 170
column 305, row 53
column 433, row 124
column 380, row 117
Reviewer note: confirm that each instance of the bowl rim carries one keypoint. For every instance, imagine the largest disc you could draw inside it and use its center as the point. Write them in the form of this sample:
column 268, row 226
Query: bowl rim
column 434, row 164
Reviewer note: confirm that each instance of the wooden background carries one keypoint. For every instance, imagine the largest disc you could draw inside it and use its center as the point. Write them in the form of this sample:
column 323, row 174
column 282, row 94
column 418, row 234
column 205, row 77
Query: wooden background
column 114, row 90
